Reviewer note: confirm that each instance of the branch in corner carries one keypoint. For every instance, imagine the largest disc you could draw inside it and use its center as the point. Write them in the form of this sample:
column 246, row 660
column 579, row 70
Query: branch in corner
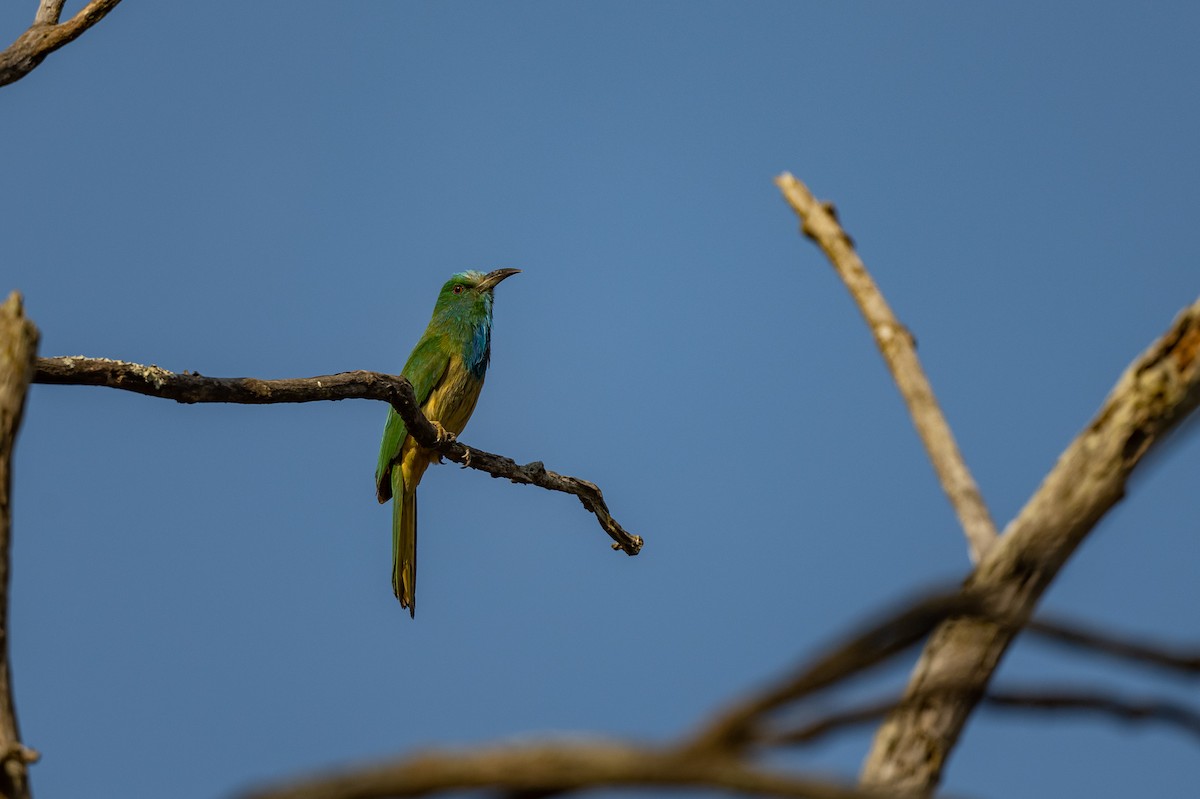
column 191, row 387
column 46, row 35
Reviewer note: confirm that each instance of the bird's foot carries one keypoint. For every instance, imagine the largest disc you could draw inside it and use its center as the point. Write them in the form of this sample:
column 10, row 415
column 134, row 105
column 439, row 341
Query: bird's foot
column 467, row 460
column 443, row 435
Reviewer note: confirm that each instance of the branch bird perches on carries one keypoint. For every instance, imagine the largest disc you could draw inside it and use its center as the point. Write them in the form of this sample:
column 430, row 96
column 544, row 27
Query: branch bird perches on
column 190, row 387
column 1157, row 391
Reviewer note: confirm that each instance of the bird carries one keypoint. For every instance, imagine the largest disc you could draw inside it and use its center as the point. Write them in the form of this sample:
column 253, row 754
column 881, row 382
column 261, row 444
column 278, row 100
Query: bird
column 446, row 370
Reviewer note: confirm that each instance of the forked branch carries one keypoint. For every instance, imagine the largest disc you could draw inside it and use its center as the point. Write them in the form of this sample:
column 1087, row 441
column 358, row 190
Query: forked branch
column 190, row 387
column 46, row 35
column 1156, row 392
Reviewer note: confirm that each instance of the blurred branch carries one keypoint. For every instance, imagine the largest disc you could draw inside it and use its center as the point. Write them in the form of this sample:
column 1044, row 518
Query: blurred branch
column 1067, row 633
column 729, row 734
column 1159, row 655
column 819, row 222
column 722, row 756
column 1040, row 698
column 747, row 722
column 835, row 721
column 553, row 768
column 740, row 725
column 48, row 12
column 1156, row 392
column 18, row 348
column 190, row 387
column 46, row 35
column 1149, row 710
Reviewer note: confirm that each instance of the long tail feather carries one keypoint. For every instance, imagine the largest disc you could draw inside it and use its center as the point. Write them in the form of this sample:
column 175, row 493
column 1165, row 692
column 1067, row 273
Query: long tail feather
column 404, row 542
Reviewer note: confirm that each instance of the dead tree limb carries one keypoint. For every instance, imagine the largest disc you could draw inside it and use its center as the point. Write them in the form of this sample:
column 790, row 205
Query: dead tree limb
column 1034, row 698
column 725, row 755
column 1053, row 700
column 1158, row 390
column 46, row 35
column 742, row 724
column 820, row 223
column 191, row 387
column 553, row 768
column 18, row 348
column 1178, row 660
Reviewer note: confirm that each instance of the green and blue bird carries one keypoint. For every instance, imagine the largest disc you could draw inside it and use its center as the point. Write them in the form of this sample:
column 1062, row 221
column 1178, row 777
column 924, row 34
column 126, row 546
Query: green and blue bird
column 446, row 370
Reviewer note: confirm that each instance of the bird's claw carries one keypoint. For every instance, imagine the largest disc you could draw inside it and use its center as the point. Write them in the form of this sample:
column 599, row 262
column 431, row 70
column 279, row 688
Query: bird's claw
column 443, row 435
column 467, row 460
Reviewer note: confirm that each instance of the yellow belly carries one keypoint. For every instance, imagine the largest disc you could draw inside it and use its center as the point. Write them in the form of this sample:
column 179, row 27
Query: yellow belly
column 453, row 399
column 450, row 404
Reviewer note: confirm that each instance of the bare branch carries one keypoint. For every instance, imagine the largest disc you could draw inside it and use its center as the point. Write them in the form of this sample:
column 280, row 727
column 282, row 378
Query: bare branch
column 1156, row 392
column 48, row 12
column 1040, row 698
column 767, row 719
column 554, row 768
column 720, row 756
column 1146, row 710
column 46, row 35
column 819, row 222
column 1159, row 655
column 192, row 387
column 831, row 722
column 18, row 348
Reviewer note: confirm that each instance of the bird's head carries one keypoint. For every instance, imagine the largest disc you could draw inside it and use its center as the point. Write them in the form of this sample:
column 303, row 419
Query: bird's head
column 470, row 293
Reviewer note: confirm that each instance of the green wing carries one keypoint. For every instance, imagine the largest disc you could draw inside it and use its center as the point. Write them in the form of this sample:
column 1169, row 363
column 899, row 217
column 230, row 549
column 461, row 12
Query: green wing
column 425, row 369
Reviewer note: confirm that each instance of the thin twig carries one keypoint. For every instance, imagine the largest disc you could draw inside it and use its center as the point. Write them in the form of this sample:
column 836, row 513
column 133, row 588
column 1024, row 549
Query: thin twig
column 819, row 222
column 46, row 35
column 1068, row 634
column 1161, row 711
column 18, row 348
column 191, row 387
column 1158, row 390
column 1161, row 655
column 1044, row 698
column 836, row 721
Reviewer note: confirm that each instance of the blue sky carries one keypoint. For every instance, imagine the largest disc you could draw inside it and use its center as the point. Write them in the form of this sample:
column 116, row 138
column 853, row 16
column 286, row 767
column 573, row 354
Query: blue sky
column 201, row 599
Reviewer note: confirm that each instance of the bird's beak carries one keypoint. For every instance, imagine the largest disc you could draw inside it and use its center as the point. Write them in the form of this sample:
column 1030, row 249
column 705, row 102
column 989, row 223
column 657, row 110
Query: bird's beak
column 492, row 278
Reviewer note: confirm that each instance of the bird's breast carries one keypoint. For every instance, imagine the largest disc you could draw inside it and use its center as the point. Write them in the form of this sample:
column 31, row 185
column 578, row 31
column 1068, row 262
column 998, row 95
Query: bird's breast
column 453, row 399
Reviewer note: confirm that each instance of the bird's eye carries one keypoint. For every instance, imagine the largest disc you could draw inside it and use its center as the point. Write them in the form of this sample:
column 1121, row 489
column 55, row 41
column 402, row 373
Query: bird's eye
column 458, row 289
